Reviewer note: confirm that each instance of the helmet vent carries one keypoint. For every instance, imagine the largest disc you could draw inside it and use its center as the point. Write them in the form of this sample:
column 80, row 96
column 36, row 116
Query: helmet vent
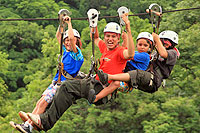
column 117, row 27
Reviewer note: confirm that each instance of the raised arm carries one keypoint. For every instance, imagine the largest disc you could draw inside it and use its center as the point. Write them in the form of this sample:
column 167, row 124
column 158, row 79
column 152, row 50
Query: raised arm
column 71, row 37
column 159, row 46
column 58, row 33
column 130, row 52
column 96, row 36
column 124, row 38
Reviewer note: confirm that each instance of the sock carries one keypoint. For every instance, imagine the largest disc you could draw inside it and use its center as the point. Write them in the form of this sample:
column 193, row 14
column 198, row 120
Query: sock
column 27, row 123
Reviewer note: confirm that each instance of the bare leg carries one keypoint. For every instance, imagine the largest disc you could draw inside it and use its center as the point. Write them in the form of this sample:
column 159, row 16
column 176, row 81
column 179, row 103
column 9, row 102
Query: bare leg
column 119, row 77
column 37, row 106
column 108, row 90
column 40, row 108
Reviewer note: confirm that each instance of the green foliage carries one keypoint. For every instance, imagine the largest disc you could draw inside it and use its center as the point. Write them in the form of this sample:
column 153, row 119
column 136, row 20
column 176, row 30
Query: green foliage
column 22, row 42
column 4, row 62
column 182, row 20
column 8, row 13
column 28, row 60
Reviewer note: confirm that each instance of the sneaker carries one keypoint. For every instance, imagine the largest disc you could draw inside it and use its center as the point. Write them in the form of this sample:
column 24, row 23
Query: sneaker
column 23, row 128
column 36, row 120
column 91, row 96
column 13, row 124
column 103, row 77
column 23, row 116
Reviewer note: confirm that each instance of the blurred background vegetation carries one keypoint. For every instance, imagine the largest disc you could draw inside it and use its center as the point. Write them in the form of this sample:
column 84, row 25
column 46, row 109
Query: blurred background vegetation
column 28, row 60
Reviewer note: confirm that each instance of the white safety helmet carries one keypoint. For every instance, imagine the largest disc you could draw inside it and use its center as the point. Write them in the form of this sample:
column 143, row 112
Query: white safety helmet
column 171, row 35
column 76, row 34
column 112, row 27
column 145, row 35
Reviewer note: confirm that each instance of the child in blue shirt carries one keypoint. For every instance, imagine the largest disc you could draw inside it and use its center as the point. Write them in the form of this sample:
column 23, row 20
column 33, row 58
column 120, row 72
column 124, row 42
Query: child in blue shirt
column 72, row 60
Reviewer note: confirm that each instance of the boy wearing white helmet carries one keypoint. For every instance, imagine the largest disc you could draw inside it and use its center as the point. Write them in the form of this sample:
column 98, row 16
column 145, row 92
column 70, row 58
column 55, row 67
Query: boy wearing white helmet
column 140, row 61
column 160, row 68
column 72, row 60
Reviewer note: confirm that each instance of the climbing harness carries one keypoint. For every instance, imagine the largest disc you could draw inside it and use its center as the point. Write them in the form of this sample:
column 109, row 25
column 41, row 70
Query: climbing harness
column 93, row 15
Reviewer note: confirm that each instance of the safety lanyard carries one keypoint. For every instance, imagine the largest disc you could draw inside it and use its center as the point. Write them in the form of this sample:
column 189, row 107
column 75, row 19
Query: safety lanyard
column 155, row 13
column 93, row 15
column 61, row 14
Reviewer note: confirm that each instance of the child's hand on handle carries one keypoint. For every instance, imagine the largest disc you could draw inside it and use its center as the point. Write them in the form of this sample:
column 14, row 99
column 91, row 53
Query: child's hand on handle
column 156, row 38
column 67, row 19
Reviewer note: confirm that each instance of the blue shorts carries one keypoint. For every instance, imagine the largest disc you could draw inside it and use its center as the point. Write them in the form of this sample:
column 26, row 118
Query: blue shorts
column 49, row 92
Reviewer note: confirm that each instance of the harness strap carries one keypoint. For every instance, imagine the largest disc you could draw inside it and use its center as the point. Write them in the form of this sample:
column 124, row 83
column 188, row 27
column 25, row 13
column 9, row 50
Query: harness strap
column 61, row 14
column 63, row 72
column 151, row 81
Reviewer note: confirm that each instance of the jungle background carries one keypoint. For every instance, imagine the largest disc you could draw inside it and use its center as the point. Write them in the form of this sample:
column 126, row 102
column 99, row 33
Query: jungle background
column 28, row 60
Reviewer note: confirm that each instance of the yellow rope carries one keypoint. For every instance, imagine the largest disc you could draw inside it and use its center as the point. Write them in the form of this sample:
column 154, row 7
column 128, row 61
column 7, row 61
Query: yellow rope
column 62, row 68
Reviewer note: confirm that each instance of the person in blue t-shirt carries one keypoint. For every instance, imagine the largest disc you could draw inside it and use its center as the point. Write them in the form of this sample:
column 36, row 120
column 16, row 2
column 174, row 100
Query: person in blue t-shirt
column 72, row 60
column 140, row 61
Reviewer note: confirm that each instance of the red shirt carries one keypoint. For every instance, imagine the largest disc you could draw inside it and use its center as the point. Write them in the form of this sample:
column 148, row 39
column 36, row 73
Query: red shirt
column 111, row 61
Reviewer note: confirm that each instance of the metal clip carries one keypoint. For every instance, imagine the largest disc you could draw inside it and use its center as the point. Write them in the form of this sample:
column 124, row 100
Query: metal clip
column 155, row 12
column 61, row 14
column 93, row 15
column 121, row 11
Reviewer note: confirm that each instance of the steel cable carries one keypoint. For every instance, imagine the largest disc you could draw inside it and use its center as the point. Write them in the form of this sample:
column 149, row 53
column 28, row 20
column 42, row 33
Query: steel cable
column 85, row 18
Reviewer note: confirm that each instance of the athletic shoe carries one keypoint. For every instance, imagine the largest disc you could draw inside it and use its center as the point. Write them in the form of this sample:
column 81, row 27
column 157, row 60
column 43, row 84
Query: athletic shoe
column 24, row 128
column 91, row 96
column 13, row 124
column 103, row 77
column 23, row 116
column 36, row 120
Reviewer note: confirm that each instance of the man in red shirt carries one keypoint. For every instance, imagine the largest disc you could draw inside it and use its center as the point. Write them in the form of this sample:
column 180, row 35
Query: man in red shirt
column 114, row 57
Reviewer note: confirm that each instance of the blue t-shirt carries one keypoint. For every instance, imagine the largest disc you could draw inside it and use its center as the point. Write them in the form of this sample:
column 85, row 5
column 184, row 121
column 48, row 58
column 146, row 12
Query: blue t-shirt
column 140, row 61
column 72, row 63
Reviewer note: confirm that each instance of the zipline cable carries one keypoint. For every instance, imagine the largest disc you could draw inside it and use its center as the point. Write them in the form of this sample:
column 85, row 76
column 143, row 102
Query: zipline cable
column 85, row 18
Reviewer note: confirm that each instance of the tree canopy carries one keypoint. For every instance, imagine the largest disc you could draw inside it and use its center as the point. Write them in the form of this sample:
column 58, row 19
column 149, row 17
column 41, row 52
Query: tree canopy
column 28, row 60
